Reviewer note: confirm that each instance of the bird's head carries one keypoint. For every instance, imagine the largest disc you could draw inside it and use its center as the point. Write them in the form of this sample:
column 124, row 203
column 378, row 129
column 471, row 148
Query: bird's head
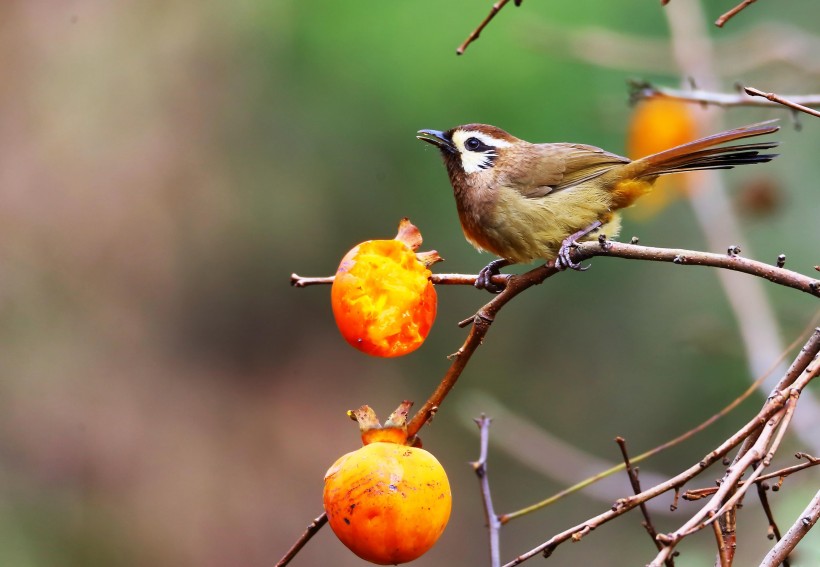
column 469, row 150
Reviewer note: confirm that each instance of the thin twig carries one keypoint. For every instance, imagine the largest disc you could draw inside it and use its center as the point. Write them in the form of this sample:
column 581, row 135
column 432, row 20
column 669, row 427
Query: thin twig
column 480, row 468
column 721, row 501
column 640, row 90
column 765, row 418
column 636, row 488
column 681, row 257
column 781, row 100
column 477, row 32
column 311, row 530
column 680, row 438
column 482, row 321
column 774, row 531
column 731, row 13
column 586, row 250
column 438, row 279
column 723, row 556
column 699, row 493
column 778, row 554
column 759, row 456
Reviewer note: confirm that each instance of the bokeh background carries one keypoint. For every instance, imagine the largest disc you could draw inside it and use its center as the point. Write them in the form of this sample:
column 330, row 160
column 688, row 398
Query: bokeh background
column 168, row 399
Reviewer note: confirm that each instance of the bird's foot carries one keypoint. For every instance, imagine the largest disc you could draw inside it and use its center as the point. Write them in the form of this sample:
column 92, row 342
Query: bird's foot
column 564, row 261
column 485, row 276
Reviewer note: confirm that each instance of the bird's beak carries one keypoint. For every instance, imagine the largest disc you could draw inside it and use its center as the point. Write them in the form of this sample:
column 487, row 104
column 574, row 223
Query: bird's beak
column 438, row 139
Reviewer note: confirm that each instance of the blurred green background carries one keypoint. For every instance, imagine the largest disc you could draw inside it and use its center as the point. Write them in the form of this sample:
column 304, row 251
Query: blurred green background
column 168, row 399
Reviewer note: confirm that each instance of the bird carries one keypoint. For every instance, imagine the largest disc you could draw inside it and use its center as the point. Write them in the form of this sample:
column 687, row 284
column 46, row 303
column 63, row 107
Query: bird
column 525, row 202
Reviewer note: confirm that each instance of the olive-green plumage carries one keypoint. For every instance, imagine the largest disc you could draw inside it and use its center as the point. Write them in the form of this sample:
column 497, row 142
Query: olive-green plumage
column 521, row 201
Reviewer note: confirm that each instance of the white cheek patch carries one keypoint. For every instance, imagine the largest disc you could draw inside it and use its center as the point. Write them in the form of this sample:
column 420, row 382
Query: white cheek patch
column 473, row 162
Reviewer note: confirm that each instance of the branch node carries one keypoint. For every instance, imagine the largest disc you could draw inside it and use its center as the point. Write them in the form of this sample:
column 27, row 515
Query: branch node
column 619, row 504
column 581, row 533
column 634, row 240
column 781, row 260
column 665, row 539
column 674, row 505
column 464, row 322
column 548, row 551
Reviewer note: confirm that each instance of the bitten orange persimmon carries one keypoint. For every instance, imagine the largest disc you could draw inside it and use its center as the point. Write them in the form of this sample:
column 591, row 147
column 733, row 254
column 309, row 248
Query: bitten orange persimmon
column 382, row 298
column 387, row 502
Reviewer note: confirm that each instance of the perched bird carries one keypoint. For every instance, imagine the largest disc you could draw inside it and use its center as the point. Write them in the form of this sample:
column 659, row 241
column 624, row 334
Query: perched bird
column 525, row 202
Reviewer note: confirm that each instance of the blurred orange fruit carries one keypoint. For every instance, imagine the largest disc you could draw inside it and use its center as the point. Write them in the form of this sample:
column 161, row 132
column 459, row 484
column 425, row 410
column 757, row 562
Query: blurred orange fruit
column 659, row 124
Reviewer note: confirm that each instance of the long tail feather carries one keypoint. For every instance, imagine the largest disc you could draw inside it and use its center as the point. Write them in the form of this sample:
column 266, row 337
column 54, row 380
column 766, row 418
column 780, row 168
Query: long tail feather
column 702, row 154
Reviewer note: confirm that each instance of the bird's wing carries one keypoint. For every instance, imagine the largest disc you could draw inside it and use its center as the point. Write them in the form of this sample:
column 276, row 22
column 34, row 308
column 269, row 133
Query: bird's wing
column 547, row 168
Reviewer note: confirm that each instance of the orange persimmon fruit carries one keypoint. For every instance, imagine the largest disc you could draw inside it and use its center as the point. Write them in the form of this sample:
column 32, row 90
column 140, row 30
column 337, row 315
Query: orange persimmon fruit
column 387, row 502
column 382, row 298
column 659, row 124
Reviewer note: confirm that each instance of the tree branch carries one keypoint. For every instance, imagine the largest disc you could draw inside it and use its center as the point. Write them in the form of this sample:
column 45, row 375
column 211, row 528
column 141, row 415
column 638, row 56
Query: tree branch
column 803, row 370
column 730, row 261
column 781, row 475
column 733, row 261
column 477, row 32
column 781, row 100
column 758, row 456
column 640, row 90
column 311, row 530
column 773, row 531
column 481, row 325
column 799, row 529
column 636, row 488
column 732, row 13
column 480, row 468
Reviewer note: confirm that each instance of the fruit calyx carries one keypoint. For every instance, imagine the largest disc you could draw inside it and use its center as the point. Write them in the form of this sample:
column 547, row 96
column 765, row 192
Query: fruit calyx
column 394, row 429
column 410, row 236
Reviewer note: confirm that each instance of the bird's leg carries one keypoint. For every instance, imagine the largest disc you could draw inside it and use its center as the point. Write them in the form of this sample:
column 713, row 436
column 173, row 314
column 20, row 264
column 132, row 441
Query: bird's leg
column 563, row 261
column 484, row 279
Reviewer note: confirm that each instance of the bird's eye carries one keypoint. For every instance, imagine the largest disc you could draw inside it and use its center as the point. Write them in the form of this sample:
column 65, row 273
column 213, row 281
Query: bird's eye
column 472, row 144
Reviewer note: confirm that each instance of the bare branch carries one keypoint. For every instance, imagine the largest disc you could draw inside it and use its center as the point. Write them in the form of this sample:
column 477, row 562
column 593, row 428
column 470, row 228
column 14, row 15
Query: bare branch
column 781, row 100
column 681, row 257
column 521, row 429
column 480, row 467
column 781, row 475
column 732, row 13
column 799, row 529
column 759, row 456
column 439, row 279
column 774, row 531
column 636, row 487
column 311, row 530
column 482, row 320
column 771, row 415
column 640, row 90
column 477, row 32
column 587, row 250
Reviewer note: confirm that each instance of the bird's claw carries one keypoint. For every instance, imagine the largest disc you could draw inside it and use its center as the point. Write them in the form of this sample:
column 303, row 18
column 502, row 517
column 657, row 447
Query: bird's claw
column 564, row 261
column 484, row 280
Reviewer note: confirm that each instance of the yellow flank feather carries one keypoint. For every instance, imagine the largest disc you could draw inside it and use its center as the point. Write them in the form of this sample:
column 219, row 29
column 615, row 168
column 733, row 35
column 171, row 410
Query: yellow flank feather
column 628, row 191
